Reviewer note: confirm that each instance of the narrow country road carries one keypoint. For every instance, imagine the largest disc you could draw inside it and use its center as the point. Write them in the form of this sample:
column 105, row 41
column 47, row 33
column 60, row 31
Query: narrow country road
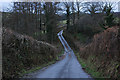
column 68, row 67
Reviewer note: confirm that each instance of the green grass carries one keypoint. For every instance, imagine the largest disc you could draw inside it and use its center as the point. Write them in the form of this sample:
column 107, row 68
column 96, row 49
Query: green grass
column 62, row 52
column 81, row 37
column 35, row 68
column 62, row 22
column 40, row 67
column 89, row 67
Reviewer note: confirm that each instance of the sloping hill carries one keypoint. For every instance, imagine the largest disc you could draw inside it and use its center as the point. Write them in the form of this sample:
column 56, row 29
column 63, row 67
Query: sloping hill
column 21, row 52
column 103, row 53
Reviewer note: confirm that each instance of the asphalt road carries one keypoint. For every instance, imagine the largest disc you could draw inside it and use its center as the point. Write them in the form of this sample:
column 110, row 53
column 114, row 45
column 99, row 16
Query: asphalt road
column 68, row 67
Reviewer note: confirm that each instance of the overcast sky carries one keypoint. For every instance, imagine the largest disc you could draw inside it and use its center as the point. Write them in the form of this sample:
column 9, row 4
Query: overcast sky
column 8, row 3
column 59, row 0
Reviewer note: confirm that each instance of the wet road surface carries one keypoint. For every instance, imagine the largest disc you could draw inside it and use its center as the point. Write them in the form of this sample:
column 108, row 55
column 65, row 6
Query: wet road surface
column 68, row 67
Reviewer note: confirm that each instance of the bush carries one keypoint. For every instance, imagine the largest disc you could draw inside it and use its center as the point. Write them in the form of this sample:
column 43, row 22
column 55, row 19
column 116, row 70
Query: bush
column 21, row 52
column 89, row 25
column 105, row 48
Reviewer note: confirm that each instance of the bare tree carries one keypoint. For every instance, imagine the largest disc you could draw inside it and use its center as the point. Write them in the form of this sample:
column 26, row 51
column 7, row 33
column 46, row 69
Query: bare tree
column 50, row 9
column 68, row 6
column 92, row 7
column 73, row 12
column 40, row 14
column 78, row 5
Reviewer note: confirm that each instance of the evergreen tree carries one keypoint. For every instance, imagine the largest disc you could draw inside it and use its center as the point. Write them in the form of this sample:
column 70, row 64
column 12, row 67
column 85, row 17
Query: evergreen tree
column 108, row 15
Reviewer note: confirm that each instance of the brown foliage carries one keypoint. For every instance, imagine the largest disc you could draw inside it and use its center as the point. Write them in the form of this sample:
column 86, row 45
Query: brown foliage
column 105, row 48
column 23, row 52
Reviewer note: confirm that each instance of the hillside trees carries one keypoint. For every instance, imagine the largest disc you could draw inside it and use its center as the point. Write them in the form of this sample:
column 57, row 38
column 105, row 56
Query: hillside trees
column 73, row 13
column 36, row 19
column 109, row 15
column 92, row 7
column 68, row 6
column 78, row 5
column 50, row 10
column 40, row 19
column 26, row 17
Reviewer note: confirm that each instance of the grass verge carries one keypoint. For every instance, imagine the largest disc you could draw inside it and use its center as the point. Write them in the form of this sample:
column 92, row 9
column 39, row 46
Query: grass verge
column 41, row 66
column 35, row 68
column 89, row 67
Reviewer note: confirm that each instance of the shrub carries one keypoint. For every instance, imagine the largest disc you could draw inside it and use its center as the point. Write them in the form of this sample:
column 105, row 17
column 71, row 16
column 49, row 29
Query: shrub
column 21, row 52
column 105, row 47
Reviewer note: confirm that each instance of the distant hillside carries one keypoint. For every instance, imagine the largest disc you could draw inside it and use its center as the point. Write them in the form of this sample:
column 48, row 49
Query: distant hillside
column 117, row 14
